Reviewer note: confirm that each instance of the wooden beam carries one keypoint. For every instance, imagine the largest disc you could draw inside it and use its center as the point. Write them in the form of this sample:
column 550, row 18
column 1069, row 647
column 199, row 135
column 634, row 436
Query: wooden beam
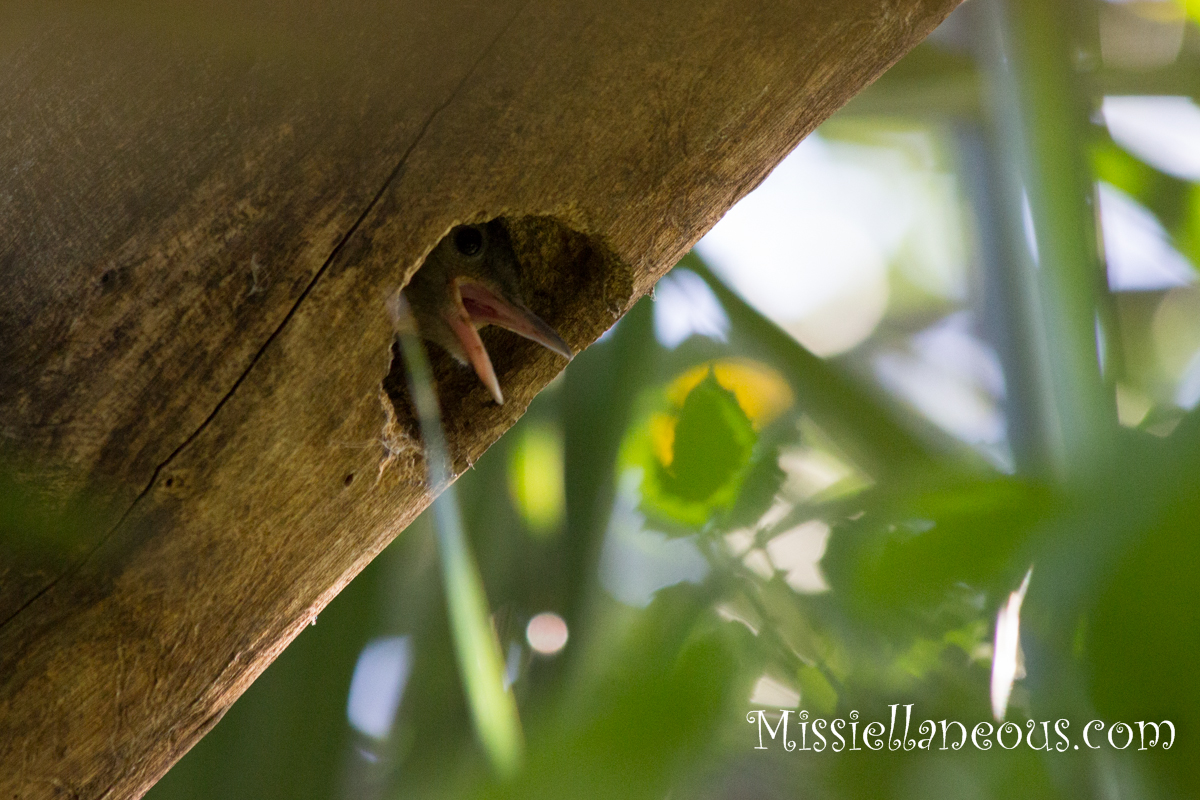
column 206, row 206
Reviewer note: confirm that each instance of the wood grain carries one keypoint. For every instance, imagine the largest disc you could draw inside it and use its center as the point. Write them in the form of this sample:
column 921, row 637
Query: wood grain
column 206, row 206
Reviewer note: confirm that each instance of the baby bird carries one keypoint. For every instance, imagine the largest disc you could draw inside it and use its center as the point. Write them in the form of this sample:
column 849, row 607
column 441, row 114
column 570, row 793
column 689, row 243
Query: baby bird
column 470, row 280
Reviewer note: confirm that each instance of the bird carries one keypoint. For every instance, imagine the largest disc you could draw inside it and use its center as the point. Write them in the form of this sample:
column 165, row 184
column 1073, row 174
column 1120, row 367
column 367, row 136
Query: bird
column 469, row 280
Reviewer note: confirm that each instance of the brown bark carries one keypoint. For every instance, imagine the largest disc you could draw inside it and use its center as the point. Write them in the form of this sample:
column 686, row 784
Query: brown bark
column 205, row 208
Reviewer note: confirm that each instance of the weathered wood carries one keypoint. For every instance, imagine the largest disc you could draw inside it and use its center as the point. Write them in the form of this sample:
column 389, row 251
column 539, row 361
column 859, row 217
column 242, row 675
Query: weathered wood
column 205, row 207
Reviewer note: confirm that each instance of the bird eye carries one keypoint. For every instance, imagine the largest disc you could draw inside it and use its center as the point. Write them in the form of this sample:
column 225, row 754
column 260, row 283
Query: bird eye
column 468, row 240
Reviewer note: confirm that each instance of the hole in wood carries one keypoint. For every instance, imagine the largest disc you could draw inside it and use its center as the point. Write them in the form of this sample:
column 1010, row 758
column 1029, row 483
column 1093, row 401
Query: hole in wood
column 568, row 280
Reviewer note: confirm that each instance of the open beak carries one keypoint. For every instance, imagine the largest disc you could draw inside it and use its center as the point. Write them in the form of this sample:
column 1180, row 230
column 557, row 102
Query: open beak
column 478, row 306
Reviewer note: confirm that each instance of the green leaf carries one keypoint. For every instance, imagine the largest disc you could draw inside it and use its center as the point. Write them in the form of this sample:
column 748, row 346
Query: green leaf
column 816, row 692
column 713, row 441
column 701, row 469
column 912, row 553
column 1113, row 165
column 1187, row 232
column 760, row 487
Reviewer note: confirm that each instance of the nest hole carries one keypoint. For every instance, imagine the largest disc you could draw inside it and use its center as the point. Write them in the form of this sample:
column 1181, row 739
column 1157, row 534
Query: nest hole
column 570, row 280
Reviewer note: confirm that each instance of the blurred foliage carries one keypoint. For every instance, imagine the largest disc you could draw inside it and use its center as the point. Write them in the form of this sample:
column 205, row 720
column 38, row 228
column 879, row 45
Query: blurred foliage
column 857, row 550
column 535, row 479
column 695, row 459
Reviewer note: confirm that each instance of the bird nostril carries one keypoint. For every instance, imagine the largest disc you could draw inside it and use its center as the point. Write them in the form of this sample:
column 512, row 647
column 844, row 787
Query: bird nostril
column 468, row 240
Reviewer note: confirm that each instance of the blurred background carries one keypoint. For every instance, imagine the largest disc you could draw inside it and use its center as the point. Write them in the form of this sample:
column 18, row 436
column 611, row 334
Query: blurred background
column 913, row 424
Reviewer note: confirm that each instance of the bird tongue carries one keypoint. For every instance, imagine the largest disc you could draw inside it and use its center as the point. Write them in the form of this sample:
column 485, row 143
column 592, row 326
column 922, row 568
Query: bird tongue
column 484, row 307
column 487, row 308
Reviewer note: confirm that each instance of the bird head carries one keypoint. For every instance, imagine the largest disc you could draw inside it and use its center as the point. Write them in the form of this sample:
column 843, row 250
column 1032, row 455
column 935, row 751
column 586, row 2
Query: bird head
column 469, row 280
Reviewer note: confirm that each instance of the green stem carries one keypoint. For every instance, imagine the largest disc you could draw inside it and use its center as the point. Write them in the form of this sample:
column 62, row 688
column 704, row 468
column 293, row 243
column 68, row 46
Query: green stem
column 480, row 663
column 1040, row 122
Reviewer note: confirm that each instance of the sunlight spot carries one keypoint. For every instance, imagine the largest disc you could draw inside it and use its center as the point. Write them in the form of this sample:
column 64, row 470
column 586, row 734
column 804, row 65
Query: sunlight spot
column 1132, row 406
column 1176, row 330
column 635, row 562
column 685, row 305
column 957, row 407
column 775, row 514
column 729, row 613
column 951, row 343
column 512, row 665
column 739, row 541
column 1163, row 131
column 1136, row 246
column 955, row 380
column 941, row 397
column 546, row 633
column 757, row 562
column 378, row 684
column 1142, row 34
column 1187, row 394
column 1164, row 428
column 1030, row 230
column 811, row 471
column 1008, row 664
column 812, row 247
column 844, row 322
column 798, row 552
column 771, row 692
